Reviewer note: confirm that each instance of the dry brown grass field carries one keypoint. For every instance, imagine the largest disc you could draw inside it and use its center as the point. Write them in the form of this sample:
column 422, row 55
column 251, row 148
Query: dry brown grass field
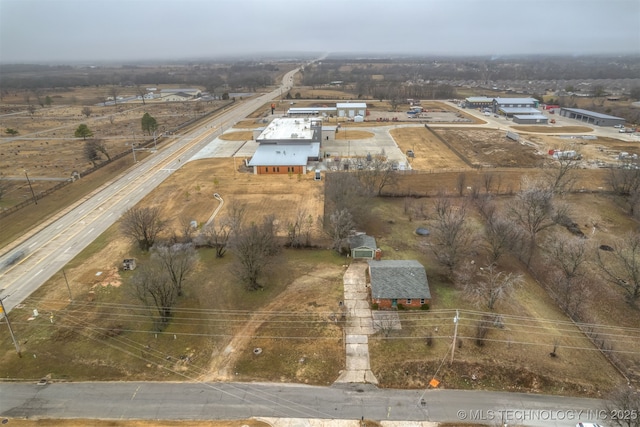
column 307, row 283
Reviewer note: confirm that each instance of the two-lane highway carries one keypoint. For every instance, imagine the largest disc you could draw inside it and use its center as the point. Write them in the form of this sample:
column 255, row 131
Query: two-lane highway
column 46, row 251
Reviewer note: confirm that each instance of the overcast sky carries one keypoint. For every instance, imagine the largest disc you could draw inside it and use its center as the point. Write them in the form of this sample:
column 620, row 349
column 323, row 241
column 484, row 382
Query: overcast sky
column 118, row 30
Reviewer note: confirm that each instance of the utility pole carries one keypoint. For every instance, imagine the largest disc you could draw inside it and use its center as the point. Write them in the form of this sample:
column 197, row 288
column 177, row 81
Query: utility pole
column 67, row 282
column 133, row 148
column 13, row 337
column 455, row 335
column 31, row 188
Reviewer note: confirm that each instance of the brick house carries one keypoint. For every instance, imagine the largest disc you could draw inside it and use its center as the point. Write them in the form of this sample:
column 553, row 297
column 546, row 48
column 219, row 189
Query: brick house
column 396, row 282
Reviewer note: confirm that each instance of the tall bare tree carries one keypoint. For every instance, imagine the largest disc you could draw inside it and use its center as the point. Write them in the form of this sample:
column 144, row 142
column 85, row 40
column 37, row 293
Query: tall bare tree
column 625, row 182
column 500, row 235
column 624, row 402
column 568, row 257
column 253, row 247
column 378, row 174
column 622, row 266
column 152, row 286
column 452, row 237
column 178, row 260
column 142, row 225
column 533, row 209
column 90, row 153
column 86, row 111
column 99, row 146
column 487, row 285
column 216, row 235
column 338, row 228
column 299, row 230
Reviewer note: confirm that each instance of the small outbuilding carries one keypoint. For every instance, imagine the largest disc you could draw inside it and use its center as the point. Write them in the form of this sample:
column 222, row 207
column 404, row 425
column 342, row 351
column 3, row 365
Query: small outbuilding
column 362, row 246
column 395, row 282
column 129, row 264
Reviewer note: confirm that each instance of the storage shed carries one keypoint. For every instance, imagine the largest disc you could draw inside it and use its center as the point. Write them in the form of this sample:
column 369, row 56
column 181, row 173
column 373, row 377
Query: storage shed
column 362, row 246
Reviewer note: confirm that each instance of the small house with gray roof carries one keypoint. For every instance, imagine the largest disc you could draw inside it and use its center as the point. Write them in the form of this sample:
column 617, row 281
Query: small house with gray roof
column 362, row 246
column 395, row 282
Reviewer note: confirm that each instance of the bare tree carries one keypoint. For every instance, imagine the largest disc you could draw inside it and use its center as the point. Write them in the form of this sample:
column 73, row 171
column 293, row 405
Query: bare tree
column 31, row 109
column 622, row 266
column 625, row 182
column 344, row 190
column 461, row 183
column 216, row 236
column 178, row 260
column 533, row 210
column 338, row 229
column 377, row 175
column 490, row 286
column 141, row 92
column 87, row 111
column 624, row 403
column 452, row 238
column 142, row 225
column 153, row 287
column 487, row 180
column 186, row 229
column 114, row 92
column 253, row 247
column 500, row 235
column 560, row 174
column 235, row 217
column 299, row 230
column 568, row 257
column 90, row 153
column 98, row 145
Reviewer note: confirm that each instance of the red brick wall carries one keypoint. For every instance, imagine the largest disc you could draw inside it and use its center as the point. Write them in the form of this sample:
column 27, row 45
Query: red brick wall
column 385, row 304
column 281, row 170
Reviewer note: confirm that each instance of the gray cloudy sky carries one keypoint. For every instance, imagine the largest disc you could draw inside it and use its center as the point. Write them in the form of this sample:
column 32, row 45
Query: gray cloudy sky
column 94, row 30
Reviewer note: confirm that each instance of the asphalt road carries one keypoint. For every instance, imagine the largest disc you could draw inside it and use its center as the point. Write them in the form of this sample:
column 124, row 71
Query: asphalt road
column 204, row 401
column 43, row 252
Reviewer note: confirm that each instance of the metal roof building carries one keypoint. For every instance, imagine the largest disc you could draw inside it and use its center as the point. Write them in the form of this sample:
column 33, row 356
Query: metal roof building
column 291, row 130
column 311, row 111
column 510, row 111
column 285, row 155
column 478, row 101
column 286, row 145
column 530, row 119
column 591, row 117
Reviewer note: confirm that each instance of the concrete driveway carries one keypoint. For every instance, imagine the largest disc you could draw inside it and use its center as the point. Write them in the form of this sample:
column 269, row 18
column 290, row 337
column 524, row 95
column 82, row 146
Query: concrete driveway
column 358, row 328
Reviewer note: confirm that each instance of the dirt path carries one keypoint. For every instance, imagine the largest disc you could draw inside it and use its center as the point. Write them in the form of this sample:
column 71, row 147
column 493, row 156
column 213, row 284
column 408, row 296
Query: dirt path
column 222, row 362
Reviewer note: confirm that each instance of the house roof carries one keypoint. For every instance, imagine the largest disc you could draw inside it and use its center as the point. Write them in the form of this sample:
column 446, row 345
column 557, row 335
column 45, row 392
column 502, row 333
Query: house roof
column 362, row 240
column 351, row 105
column 516, row 100
column 592, row 113
column 398, row 279
column 288, row 129
column 284, row 155
column 474, row 99
column 311, row 110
